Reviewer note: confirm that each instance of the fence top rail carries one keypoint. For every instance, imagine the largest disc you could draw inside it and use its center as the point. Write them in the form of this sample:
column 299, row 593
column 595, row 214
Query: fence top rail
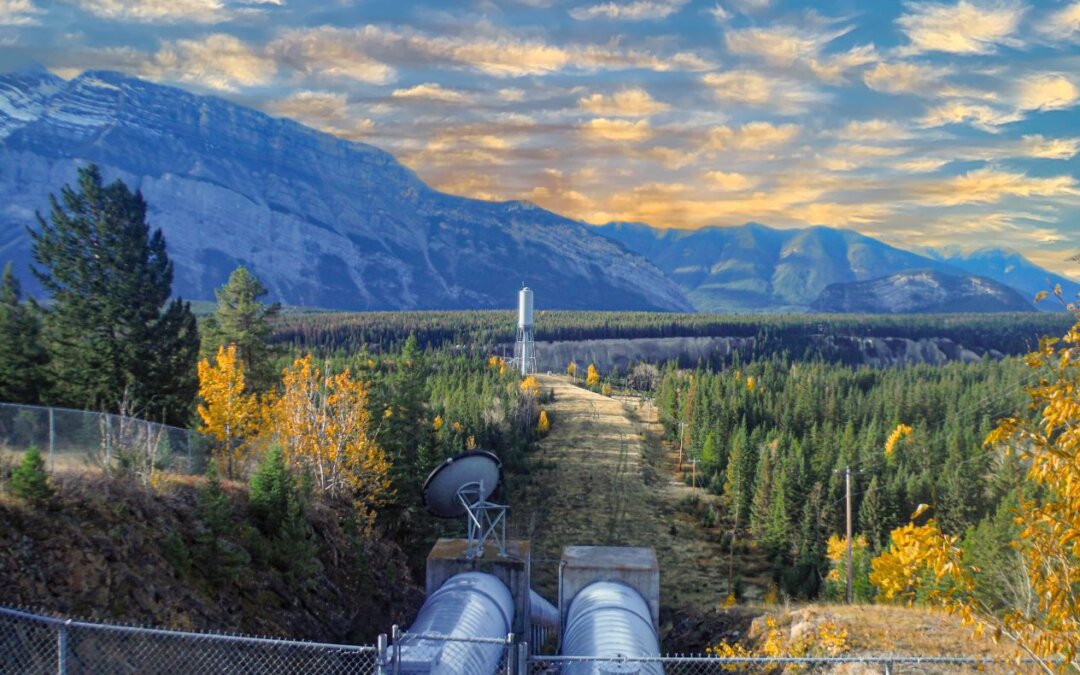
column 189, row 635
column 96, row 413
column 406, row 636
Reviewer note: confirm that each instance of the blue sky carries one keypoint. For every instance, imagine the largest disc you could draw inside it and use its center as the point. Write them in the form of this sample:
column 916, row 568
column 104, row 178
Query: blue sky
column 921, row 123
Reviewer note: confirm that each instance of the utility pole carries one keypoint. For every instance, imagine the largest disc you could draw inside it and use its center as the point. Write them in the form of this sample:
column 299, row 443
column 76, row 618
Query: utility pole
column 847, row 482
column 693, row 463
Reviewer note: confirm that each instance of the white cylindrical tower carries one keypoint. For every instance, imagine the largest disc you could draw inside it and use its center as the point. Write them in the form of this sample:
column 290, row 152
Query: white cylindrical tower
column 524, row 349
column 525, row 307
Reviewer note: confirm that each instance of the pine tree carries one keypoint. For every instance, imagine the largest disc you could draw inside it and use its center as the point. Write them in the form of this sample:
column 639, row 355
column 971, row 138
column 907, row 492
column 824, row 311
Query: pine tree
column 242, row 319
column 220, row 559
column 110, row 278
column 272, row 486
column 29, row 480
column 22, row 357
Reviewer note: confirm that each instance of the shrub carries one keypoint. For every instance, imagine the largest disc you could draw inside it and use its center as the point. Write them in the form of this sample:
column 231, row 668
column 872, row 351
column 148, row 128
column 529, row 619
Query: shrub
column 29, row 480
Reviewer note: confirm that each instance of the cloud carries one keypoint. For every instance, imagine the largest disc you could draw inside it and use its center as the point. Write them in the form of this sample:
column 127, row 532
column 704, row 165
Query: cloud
column 635, row 102
column 637, row 10
column 921, row 165
column 331, row 52
column 617, row 130
column 753, row 136
column 967, row 27
column 988, row 185
column 1040, row 147
column 904, row 78
column 1063, row 24
column 18, row 13
column 787, row 46
column 730, row 181
column 751, row 88
column 160, row 11
column 1049, row 91
column 433, row 92
column 511, row 95
column 326, row 111
column 363, row 53
column 977, row 115
column 835, row 214
column 873, row 130
column 218, row 61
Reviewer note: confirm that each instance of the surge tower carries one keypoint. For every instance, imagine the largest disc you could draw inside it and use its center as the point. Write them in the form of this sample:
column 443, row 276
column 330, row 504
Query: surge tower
column 524, row 348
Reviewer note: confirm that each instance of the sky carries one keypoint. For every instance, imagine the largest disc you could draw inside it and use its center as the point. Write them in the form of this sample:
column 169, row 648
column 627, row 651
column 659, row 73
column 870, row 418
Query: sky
column 925, row 124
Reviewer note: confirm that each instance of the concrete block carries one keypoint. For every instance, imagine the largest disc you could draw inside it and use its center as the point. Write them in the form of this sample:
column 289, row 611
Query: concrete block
column 633, row 566
column 447, row 558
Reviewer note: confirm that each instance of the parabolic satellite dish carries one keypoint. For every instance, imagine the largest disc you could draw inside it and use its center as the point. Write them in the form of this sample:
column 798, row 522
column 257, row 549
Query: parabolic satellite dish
column 476, row 467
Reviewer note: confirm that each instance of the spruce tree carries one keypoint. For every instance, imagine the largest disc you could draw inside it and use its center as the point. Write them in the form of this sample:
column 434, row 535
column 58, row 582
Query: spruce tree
column 22, row 357
column 110, row 278
column 243, row 319
column 29, row 480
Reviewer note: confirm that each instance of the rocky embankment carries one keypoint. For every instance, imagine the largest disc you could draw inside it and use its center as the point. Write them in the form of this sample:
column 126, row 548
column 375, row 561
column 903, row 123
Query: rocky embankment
column 111, row 550
column 870, row 351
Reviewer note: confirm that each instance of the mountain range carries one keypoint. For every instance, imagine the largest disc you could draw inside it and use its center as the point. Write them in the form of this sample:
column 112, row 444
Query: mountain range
column 337, row 224
column 322, row 221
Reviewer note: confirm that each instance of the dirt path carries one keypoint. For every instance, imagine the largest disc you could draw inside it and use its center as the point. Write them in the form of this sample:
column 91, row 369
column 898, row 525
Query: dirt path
column 601, row 477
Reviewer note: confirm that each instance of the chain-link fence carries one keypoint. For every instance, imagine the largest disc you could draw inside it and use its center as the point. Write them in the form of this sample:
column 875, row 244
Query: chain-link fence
column 715, row 665
column 31, row 644
column 79, row 440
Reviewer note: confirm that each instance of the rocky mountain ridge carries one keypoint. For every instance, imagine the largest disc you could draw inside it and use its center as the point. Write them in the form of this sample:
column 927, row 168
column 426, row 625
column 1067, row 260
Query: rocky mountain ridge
column 921, row 292
column 322, row 221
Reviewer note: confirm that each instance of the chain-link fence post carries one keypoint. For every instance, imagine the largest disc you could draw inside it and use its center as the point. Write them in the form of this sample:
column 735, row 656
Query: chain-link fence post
column 508, row 651
column 395, row 635
column 522, row 658
column 52, row 441
column 888, row 668
column 62, row 647
column 380, row 654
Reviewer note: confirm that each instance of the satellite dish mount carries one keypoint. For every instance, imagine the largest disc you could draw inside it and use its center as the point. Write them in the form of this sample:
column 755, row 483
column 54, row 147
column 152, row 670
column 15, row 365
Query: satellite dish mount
column 462, row 486
column 485, row 520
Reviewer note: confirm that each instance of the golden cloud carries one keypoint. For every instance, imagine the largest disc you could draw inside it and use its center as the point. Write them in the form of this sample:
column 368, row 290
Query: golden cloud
column 431, row 91
column 1062, row 24
column 963, row 28
column 752, row 136
column 985, row 186
column 731, row 181
column 322, row 110
column 635, row 102
column 1047, row 91
column 616, row 129
column 333, row 52
column 637, row 10
column 978, row 115
column 904, row 78
column 158, row 11
column 218, row 61
column 756, row 89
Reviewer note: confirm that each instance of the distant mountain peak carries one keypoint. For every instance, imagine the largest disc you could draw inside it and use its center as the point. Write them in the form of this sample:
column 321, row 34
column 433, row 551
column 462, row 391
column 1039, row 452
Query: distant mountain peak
column 921, row 292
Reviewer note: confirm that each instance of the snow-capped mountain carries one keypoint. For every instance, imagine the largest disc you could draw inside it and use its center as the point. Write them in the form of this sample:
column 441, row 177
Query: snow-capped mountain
column 921, row 292
column 322, row 221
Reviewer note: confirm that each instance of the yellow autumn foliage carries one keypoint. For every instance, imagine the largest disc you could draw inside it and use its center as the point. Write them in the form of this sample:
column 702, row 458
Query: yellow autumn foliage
column 1049, row 520
column 530, row 386
column 571, row 370
column 543, row 425
column 592, row 377
column 324, row 427
column 228, row 414
column 901, row 431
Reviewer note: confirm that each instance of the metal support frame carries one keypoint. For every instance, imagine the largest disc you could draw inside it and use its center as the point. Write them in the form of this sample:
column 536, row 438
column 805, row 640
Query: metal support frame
column 524, row 351
column 484, row 520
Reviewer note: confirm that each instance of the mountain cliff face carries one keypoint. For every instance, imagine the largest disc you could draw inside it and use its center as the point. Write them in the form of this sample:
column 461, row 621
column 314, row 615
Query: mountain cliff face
column 1011, row 269
column 322, row 221
column 921, row 292
column 755, row 268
